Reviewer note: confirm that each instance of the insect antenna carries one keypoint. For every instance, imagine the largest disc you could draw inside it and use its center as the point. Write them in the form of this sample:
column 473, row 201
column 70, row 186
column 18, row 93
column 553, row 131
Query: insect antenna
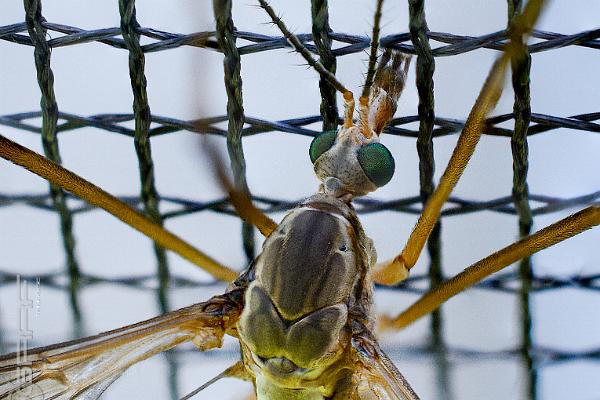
column 300, row 48
column 373, row 52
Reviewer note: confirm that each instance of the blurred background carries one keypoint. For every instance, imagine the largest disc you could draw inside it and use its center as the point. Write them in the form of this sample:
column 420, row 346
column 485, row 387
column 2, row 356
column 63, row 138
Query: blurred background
column 481, row 328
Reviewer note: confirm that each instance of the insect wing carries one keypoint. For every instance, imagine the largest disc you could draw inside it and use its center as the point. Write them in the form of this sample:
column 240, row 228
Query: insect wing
column 84, row 368
column 375, row 376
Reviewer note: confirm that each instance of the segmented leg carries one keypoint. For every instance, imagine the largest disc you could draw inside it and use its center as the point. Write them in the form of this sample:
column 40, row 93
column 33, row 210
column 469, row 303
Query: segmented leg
column 305, row 53
column 549, row 236
column 397, row 269
column 240, row 200
column 237, row 370
column 91, row 193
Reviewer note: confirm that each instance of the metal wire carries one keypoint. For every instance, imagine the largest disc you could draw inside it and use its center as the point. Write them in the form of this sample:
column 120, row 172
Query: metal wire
column 328, row 45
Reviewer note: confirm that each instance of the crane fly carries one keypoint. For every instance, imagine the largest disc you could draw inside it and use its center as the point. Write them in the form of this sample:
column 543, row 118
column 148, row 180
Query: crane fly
column 302, row 310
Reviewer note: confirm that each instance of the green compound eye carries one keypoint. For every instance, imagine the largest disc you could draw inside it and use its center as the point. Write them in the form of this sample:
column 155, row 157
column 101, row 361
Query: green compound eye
column 321, row 144
column 377, row 163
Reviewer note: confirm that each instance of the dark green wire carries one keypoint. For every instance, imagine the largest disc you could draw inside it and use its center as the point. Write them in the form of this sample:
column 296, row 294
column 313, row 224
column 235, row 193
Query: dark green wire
column 425, row 67
column 45, row 77
column 521, row 67
column 322, row 40
column 235, row 108
column 149, row 194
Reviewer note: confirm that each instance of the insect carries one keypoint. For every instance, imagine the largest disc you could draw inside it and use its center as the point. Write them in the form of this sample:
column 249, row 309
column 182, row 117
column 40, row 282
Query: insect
column 163, row 321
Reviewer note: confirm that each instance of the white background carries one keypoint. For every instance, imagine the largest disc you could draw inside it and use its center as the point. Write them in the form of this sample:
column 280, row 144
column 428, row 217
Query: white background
column 187, row 82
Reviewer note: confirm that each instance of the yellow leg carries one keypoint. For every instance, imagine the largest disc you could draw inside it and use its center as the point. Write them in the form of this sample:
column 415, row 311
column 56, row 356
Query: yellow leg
column 91, row 193
column 249, row 213
column 549, row 236
column 237, row 370
column 240, row 200
column 395, row 270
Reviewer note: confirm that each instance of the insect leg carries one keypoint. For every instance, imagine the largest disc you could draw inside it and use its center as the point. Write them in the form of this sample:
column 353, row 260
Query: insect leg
column 91, row 193
column 240, row 199
column 237, row 370
column 397, row 269
column 549, row 236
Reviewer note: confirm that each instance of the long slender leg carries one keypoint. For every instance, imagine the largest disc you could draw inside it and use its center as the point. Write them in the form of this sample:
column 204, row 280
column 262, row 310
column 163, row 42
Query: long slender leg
column 397, row 269
column 237, row 370
column 240, row 199
column 373, row 51
column 549, row 236
column 91, row 193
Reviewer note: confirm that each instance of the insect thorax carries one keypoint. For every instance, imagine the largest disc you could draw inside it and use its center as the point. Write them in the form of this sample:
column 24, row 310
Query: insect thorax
column 310, row 282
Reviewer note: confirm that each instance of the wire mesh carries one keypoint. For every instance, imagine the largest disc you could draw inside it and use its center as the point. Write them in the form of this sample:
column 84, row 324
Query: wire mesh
column 139, row 41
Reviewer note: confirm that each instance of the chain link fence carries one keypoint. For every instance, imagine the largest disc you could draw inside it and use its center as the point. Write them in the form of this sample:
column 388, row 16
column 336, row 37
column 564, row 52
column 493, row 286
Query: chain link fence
column 138, row 41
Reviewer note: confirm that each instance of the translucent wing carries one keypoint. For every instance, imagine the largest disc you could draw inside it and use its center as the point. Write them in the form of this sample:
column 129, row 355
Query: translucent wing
column 375, row 376
column 84, row 368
